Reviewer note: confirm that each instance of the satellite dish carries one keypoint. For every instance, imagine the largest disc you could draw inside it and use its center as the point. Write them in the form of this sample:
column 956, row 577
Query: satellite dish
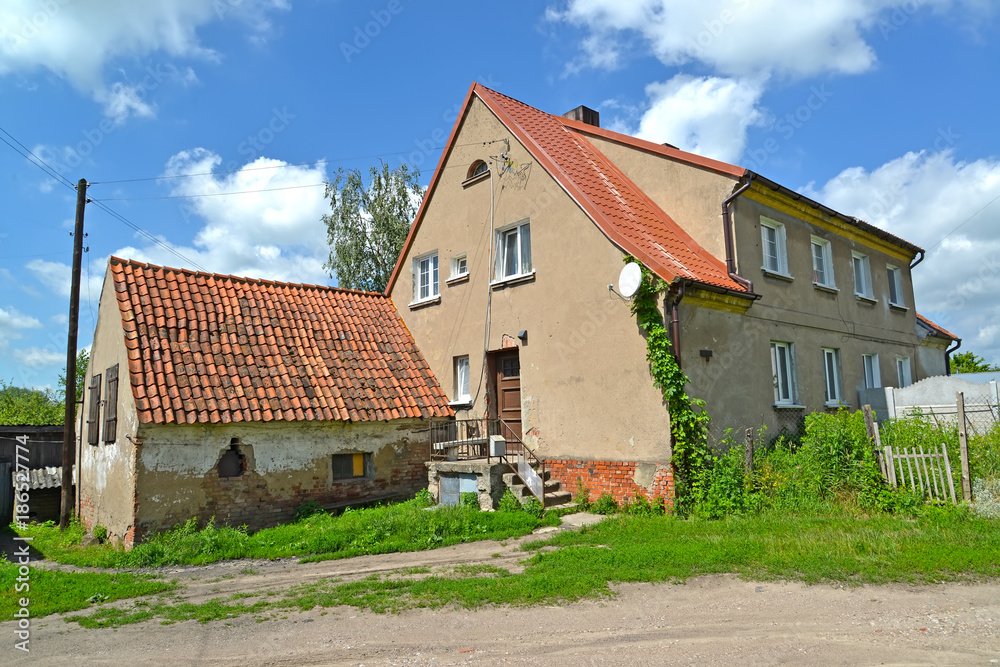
column 629, row 279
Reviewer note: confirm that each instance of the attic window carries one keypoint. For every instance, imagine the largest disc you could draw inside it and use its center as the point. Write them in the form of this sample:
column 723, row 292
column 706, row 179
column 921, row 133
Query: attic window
column 477, row 168
column 233, row 462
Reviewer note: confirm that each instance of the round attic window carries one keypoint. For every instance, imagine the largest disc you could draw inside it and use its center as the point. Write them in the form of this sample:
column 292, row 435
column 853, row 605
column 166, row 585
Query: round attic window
column 476, row 168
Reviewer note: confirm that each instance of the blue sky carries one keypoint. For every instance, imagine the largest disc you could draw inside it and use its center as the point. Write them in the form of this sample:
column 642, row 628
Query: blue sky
column 883, row 109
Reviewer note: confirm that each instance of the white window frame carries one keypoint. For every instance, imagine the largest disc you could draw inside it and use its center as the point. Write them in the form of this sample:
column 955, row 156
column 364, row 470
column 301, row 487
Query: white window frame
column 521, row 231
column 904, row 372
column 895, row 280
column 462, row 383
column 873, row 376
column 459, row 266
column 831, row 377
column 862, row 287
column 780, row 247
column 826, row 254
column 784, row 387
column 433, row 284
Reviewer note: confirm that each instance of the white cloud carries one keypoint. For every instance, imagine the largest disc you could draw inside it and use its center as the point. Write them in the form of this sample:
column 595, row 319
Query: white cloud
column 77, row 40
column 952, row 209
column 12, row 324
column 58, row 277
column 122, row 101
column 742, row 37
column 36, row 357
column 705, row 115
column 274, row 232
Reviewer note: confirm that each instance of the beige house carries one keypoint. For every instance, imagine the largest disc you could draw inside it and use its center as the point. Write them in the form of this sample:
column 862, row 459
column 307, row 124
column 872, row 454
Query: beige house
column 778, row 305
column 242, row 399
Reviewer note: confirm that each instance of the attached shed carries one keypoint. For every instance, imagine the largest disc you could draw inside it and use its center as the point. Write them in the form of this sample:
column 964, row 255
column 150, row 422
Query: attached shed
column 242, row 399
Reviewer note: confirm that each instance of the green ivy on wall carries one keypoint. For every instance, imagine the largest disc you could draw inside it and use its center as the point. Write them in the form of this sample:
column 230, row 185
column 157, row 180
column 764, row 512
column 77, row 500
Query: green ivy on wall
column 688, row 419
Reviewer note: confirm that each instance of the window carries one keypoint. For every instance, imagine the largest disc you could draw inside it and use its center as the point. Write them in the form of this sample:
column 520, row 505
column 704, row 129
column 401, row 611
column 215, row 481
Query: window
column 772, row 236
column 94, row 416
column 459, row 266
column 352, row 466
column 831, row 374
column 477, row 168
column 425, row 277
column 822, row 262
column 513, row 252
column 873, row 380
column 782, row 368
column 111, row 405
column 862, row 276
column 903, row 372
column 895, row 285
column 462, row 380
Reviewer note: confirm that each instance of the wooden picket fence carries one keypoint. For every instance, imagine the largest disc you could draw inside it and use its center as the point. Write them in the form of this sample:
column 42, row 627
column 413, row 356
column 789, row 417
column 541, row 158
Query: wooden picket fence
column 928, row 472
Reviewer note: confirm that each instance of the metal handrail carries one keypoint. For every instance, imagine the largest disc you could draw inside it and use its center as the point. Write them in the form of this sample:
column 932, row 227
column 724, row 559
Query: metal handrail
column 466, row 439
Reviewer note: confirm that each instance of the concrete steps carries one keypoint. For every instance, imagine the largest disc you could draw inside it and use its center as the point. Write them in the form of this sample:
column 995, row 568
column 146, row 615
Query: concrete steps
column 553, row 495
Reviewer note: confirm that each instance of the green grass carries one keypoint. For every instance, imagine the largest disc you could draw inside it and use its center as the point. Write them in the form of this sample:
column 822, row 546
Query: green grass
column 52, row 592
column 937, row 544
column 378, row 530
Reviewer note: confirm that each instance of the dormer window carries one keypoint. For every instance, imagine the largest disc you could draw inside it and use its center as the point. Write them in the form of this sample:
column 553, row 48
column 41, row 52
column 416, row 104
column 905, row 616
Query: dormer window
column 477, row 168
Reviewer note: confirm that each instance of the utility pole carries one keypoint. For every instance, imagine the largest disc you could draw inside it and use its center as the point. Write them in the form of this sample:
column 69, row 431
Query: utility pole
column 69, row 432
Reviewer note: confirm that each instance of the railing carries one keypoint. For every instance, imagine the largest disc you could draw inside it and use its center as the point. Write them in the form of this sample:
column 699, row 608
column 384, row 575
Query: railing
column 469, row 439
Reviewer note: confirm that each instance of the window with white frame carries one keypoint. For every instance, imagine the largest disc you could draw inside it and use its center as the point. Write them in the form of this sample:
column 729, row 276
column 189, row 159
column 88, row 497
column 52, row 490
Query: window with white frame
column 772, row 238
column 873, row 378
column 783, row 371
column 462, row 394
column 425, row 277
column 831, row 375
column 862, row 276
column 895, row 277
column 903, row 371
column 513, row 251
column 459, row 266
column 822, row 257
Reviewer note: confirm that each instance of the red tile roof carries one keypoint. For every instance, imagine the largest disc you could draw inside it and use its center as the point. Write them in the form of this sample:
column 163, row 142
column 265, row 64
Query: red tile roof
column 936, row 329
column 208, row 348
column 629, row 218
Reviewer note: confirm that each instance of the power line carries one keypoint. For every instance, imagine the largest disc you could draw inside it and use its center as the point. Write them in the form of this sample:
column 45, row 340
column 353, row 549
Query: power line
column 967, row 220
column 121, row 218
column 35, row 160
column 215, row 194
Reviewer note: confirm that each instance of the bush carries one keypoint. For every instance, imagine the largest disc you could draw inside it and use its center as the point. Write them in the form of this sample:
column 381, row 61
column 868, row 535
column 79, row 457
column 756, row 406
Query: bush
column 423, row 498
column 606, row 504
column 582, row 496
column 470, row 499
column 987, row 498
column 306, row 510
column 100, row 534
column 509, row 503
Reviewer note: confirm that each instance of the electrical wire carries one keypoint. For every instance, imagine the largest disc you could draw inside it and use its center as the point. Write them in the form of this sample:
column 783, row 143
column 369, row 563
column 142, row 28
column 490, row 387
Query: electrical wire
column 35, row 160
column 214, row 194
column 121, row 218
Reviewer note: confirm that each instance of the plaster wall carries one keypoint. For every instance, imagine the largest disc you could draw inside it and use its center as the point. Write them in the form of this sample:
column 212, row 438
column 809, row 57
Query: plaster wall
column 106, row 485
column 586, row 392
column 286, row 464
column 691, row 195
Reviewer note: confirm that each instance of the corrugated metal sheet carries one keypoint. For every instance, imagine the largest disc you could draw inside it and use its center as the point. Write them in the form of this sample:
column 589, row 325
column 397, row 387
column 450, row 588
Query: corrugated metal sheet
column 43, row 478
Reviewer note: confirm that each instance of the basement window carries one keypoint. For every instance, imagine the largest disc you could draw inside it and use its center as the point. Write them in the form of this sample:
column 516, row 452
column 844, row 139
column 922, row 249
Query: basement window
column 233, row 463
column 352, row 466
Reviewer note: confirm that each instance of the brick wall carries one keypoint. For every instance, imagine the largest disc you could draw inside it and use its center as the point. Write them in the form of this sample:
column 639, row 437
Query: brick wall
column 616, row 478
column 262, row 501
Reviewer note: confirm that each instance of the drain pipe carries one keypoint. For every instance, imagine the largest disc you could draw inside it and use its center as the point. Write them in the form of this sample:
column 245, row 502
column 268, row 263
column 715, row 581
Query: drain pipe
column 917, row 261
column 727, row 234
column 947, row 355
column 675, row 322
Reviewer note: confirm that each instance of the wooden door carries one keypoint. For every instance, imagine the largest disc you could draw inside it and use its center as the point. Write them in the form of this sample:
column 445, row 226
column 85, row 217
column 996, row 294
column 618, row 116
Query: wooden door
column 508, row 383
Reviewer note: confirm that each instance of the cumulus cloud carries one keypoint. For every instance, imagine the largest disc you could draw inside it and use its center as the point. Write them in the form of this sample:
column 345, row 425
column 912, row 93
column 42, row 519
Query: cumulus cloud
column 76, row 40
column 37, row 357
column 12, row 325
column 952, row 209
column 741, row 37
column 705, row 115
column 271, row 231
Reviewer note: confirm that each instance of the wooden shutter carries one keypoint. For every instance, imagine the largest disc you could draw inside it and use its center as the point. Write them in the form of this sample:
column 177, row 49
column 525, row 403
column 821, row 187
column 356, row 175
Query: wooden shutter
column 93, row 420
column 111, row 405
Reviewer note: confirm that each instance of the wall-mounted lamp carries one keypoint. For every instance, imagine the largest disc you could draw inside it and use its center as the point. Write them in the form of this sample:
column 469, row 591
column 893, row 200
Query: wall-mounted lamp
column 706, row 355
column 523, row 335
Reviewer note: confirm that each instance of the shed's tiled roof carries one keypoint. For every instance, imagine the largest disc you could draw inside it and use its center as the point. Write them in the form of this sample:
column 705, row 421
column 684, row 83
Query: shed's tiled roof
column 629, row 218
column 208, row 348
column 937, row 329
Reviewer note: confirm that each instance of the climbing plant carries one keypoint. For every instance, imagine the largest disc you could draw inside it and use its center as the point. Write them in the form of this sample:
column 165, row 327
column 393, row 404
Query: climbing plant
column 688, row 418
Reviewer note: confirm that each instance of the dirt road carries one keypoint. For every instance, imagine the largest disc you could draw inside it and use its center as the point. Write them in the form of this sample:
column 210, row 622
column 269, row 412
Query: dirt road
column 708, row 621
